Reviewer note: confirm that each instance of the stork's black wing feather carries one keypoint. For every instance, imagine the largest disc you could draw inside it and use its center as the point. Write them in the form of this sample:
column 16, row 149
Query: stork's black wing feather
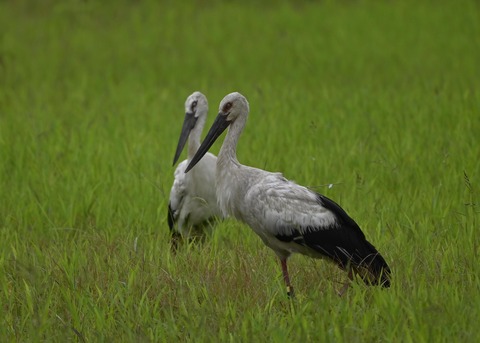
column 344, row 243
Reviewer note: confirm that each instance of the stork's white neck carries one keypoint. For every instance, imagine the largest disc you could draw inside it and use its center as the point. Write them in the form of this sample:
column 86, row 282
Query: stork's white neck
column 194, row 137
column 228, row 153
column 228, row 168
column 193, row 143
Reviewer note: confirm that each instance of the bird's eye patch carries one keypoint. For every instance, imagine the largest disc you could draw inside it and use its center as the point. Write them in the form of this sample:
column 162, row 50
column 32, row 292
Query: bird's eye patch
column 227, row 107
column 194, row 105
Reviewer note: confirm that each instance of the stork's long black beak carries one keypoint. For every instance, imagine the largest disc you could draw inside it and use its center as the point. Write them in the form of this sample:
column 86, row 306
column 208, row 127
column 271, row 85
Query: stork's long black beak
column 188, row 125
column 218, row 126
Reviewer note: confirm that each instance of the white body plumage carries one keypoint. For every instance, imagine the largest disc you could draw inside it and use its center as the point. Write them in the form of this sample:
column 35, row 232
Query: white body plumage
column 193, row 203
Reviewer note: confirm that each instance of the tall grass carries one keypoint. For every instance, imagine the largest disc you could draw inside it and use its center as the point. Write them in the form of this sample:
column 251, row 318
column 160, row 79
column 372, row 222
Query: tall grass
column 380, row 99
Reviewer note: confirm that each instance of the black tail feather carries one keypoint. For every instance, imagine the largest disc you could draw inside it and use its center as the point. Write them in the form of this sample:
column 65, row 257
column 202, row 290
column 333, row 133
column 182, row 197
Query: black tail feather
column 355, row 250
column 373, row 269
column 351, row 251
column 378, row 267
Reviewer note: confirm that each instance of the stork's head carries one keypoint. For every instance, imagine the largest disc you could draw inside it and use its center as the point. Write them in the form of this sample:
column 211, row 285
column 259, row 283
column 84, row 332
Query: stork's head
column 233, row 106
column 196, row 109
column 196, row 105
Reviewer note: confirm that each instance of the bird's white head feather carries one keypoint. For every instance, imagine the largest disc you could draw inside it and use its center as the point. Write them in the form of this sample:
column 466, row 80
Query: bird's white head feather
column 233, row 105
column 197, row 103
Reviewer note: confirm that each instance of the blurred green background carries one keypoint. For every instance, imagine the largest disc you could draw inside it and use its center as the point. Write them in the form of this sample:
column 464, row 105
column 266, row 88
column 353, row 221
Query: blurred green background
column 379, row 98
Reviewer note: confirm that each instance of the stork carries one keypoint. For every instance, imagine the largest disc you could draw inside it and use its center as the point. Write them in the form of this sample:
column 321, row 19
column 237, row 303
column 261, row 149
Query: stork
column 289, row 218
column 193, row 204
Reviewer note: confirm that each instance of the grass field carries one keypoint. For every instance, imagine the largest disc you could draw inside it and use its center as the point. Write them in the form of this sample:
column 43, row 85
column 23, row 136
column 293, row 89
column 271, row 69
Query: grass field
column 380, row 99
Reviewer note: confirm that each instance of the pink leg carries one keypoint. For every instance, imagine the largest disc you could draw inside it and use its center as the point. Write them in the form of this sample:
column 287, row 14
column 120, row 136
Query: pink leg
column 286, row 278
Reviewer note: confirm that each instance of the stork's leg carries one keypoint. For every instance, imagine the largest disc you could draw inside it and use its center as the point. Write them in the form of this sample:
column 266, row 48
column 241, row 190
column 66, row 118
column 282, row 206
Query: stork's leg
column 344, row 288
column 175, row 239
column 286, row 278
